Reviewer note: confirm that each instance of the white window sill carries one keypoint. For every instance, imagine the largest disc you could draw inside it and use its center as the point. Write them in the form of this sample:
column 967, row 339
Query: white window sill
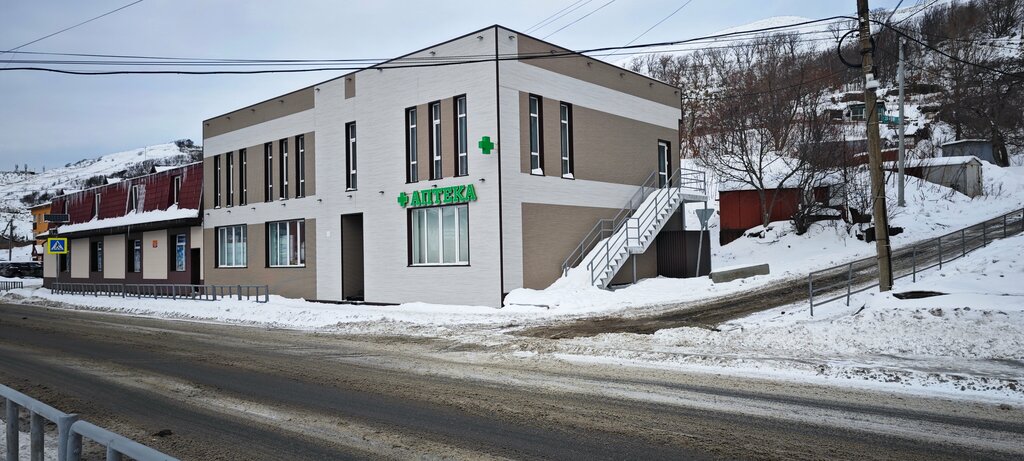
column 537, row 171
column 440, row 265
column 568, row 176
column 285, row 267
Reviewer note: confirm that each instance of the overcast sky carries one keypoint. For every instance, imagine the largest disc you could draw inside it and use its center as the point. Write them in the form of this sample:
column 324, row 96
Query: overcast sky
column 51, row 119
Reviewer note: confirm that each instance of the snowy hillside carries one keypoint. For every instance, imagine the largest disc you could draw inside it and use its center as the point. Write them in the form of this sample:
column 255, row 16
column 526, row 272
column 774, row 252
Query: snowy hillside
column 15, row 186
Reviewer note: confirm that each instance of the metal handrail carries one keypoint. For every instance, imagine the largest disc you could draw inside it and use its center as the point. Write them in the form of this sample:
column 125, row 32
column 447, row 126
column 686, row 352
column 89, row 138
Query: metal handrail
column 117, row 445
column 11, row 285
column 258, row 293
column 939, row 244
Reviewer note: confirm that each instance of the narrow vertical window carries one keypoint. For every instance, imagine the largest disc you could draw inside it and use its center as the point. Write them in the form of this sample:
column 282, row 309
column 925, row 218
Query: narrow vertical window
column 300, row 166
column 350, row 157
column 565, row 132
column 176, row 190
column 216, row 181
column 461, row 137
column 435, row 141
column 664, row 163
column 536, row 159
column 96, row 259
column 268, row 172
column 96, row 205
column 243, row 191
column 229, row 178
column 180, row 243
column 282, row 154
column 133, row 198
column 411, row 150
column 136, row 255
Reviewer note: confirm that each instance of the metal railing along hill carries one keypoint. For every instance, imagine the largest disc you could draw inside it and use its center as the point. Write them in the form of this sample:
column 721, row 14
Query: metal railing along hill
column 842, row 281
column 70, row 432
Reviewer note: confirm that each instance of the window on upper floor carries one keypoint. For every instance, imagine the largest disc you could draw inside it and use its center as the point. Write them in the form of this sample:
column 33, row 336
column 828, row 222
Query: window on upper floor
column 350, row 157
column 565, row 135
column 229, row 178
column 436, row 171
column 96, row 204
column 134, row 199
column 536, row 149
column 268, row 172
column 300, row 166
column 411, row 146
column 282, row 154
column 461, row 137
column 243, row 180
column 176, row 190
column 216, row 181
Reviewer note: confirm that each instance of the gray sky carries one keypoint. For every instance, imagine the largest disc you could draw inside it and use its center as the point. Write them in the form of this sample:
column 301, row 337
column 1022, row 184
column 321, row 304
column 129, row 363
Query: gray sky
column 51, row 119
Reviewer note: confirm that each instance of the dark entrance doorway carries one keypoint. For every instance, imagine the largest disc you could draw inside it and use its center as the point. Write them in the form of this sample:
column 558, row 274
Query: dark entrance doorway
column 352, row 257
column 677, row 253
column 197, row 264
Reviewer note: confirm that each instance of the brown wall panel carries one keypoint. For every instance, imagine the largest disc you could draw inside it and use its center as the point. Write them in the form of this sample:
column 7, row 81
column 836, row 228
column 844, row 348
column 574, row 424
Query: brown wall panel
column 292, row 282
column 288, row 104
column 447, row 138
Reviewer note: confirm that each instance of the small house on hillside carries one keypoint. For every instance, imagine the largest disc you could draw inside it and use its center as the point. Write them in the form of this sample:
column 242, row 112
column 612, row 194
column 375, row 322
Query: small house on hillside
column 980, row 148
column 962, row 174
column 740, row 207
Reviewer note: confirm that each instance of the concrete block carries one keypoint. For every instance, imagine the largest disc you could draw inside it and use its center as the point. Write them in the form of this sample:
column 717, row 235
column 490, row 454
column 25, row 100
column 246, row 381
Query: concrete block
column 735, row 273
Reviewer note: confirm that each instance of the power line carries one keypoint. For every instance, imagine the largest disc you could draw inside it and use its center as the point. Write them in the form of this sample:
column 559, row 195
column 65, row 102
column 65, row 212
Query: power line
column 949, row 56
column 659, row 22
column 578, row 19
column 71, row 27
column 549, row 19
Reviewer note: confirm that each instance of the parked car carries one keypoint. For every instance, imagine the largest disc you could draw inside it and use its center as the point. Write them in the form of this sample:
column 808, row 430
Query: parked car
column 21, row 269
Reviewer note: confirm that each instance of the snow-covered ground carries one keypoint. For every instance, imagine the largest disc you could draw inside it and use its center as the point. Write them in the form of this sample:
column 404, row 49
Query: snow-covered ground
column 24, row 453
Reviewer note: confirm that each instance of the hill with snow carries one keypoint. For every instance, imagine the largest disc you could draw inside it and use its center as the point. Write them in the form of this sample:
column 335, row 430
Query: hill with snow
column 21, row 189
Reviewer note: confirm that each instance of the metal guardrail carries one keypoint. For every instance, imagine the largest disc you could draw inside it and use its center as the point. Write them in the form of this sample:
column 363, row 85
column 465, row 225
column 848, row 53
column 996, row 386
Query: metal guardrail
column 70, row 431
column 258, row 293
column 11, row 285
column 692, row 180
column 907, row 262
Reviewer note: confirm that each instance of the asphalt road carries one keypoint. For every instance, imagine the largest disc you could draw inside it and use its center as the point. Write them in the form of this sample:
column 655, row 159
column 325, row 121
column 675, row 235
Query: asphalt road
column 245, row 393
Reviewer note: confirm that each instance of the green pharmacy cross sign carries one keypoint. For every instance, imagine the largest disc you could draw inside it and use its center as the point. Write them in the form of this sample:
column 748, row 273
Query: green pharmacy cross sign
column 438, row 196
column 486, row 146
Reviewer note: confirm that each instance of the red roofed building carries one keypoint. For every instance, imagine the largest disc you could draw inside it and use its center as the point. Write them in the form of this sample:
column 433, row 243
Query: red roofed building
column 144, row 230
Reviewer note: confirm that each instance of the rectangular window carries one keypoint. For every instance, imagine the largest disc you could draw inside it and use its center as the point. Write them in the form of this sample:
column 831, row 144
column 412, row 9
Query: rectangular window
column 232, row 250
column 96, row 205
column 439, row 235
column 216, row 181
column 461, row 137
column 64, row 260
column 435, row 141
column 286, row 244
column 283, row 158
column 300, row 166
column 96, row 258
column 180, row 251
column 664, row 163
column 350, row 157
column 176, row 190
column 134, row 194
column 136, row 255
column 411, row 147
column 243, row 191
column 229, row 179
column 268, row 172
column 536, row 151
column 565, row 131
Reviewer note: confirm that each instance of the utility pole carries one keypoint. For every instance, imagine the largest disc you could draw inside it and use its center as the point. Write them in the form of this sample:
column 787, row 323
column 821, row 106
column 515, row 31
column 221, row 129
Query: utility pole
column 878, row 207
column 903, row 126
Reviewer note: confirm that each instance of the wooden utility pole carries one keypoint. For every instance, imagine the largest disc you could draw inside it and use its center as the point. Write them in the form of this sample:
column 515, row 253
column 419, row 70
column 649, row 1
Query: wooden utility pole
column 878, row 208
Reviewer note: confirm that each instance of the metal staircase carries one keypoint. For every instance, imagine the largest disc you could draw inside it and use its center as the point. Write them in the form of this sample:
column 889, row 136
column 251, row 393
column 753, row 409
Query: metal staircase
column 607, row 247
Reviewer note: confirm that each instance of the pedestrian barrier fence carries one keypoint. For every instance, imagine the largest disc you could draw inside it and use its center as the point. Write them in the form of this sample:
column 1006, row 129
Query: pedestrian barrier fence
column 258, row 293
column 70, row 432
column 11, row 285
column 844, row 280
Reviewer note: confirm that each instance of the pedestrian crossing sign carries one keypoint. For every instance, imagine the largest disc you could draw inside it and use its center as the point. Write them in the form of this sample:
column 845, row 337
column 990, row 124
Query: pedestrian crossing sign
column 57, row 246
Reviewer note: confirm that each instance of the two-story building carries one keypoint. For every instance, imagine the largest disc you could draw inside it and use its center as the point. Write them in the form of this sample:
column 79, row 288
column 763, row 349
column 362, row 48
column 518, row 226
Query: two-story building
column 143, row 230
column 453, row 174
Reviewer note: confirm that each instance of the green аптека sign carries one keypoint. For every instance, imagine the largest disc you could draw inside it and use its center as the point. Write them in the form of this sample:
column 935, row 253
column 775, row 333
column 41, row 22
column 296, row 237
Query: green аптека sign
column 438, row 196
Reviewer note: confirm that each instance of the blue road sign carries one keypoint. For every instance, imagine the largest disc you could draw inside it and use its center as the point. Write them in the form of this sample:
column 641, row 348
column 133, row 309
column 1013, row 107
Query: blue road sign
column 57, row 246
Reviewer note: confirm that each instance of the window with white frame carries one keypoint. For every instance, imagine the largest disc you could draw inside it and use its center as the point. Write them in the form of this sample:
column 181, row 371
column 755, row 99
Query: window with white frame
column 180, row 252
column 134, row 194
column 300, row 166
column 286, row 243
column 461, row 137
column 411, row 147
column 282, row 155
column 565, row 133
column 536, row 159
column 435, row 141
column 229, row 178
column 176, row 190
column 232, row 246
column 268, row 172
column 136, row 255
column 216, row 181
column 439, row 235
column 350, row 157
column 96, row 205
